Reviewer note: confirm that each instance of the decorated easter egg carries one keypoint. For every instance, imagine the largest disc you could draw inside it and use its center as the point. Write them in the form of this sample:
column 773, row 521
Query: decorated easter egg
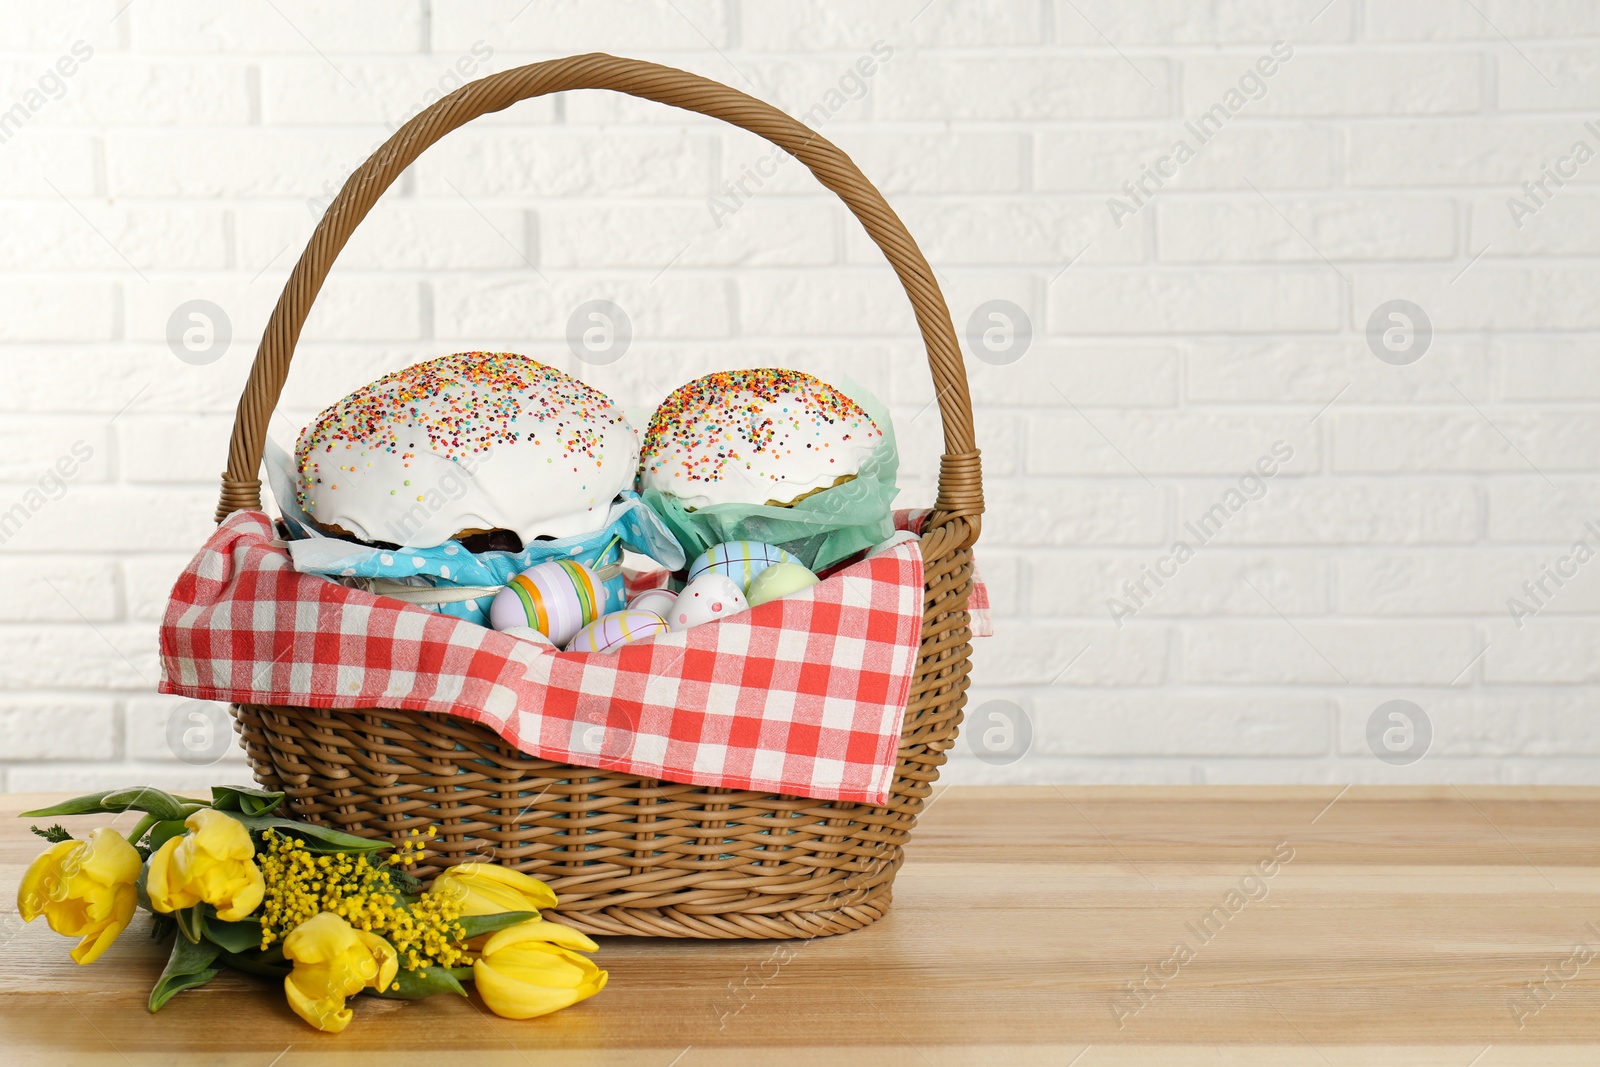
column 617, row 629
column 739, row 560
column 710, row 596
column 778, row 580
column 530, row 635
column 557, row 598
column 655, row 600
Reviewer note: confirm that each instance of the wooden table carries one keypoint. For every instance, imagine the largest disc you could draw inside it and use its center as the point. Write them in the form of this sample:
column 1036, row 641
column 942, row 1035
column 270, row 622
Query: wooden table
column 1318, row 925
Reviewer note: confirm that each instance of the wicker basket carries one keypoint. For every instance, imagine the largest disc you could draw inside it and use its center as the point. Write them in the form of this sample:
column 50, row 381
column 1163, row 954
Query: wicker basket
column 627, row 855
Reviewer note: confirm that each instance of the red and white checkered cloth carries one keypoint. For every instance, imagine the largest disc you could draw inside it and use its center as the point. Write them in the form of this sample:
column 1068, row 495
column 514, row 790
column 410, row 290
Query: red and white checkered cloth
column 980, row 617
column 802, row 695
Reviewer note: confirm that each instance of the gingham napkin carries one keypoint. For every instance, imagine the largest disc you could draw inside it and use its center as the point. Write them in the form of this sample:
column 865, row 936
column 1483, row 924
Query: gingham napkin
column 803, row 695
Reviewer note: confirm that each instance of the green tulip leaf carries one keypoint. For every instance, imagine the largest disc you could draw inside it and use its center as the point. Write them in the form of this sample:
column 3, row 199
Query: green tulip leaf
column 242, row 798
column 425, row 982
column 189, row 966
column 477, row 925
column 317, row 838
column 141, row 891
column 161, row 804
column 234, row 937
column 191, row 923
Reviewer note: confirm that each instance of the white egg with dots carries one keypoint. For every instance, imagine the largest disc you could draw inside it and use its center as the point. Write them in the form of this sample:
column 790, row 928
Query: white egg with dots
column 707, row 598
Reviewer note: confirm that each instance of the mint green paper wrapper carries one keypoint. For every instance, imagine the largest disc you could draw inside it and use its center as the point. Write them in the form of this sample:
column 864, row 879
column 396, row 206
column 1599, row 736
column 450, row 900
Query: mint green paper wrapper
column 822, row 529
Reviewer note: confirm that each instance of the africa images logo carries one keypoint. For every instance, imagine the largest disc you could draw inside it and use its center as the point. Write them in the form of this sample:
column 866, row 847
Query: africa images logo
column 49, row 85
column 1537, row 192
column 1251, row 86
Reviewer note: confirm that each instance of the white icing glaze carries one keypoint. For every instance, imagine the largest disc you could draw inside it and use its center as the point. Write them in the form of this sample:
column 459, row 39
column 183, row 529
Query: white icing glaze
column 473, row 441
column 749, row 436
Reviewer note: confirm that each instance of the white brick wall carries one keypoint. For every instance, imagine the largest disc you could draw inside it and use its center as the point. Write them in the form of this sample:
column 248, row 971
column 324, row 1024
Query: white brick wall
column 1227, row 311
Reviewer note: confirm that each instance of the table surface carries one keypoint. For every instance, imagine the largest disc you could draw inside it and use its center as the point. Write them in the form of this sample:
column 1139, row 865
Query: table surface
column 1082, row 926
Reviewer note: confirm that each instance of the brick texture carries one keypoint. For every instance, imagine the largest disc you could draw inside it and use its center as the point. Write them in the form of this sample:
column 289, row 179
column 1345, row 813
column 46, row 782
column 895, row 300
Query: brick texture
column 1222, row 531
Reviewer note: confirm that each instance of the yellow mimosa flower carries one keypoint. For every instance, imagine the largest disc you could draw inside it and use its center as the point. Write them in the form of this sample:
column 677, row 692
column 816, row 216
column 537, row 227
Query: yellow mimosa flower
column 332, row 961
column 83, row 889
column 534, row 968
column 212, row 863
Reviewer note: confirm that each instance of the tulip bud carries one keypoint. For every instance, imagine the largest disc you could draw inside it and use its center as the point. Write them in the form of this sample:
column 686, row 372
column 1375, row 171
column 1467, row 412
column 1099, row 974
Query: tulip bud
column 332, row 961
column 83, row 889
column 489, row 889
column 213, row 863
column 534, row 968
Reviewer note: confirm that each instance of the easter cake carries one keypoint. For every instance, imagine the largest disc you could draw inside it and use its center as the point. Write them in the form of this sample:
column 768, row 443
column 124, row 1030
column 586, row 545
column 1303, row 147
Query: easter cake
column 762, row 436
column 493, row 449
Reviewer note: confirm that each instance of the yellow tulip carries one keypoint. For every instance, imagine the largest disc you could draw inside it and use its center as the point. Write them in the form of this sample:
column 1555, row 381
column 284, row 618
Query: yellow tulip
column 534, row 968
column 488, row 889
column 83, row 889
column 212, row 863
column 333, row 960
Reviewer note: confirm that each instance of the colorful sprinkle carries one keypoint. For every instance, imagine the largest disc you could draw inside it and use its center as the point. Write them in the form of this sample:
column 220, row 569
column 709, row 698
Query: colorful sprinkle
column 455, row 406
column 733, row 416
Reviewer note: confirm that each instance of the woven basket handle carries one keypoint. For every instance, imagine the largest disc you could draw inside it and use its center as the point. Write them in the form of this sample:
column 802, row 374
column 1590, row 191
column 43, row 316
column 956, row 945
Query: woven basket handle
column 960, row 499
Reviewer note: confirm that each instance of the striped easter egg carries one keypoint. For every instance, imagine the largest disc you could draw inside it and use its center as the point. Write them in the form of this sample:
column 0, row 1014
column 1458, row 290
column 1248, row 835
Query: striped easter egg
column 617, row 629
column 557, row 598
column 739, row 560
column 659, row 601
